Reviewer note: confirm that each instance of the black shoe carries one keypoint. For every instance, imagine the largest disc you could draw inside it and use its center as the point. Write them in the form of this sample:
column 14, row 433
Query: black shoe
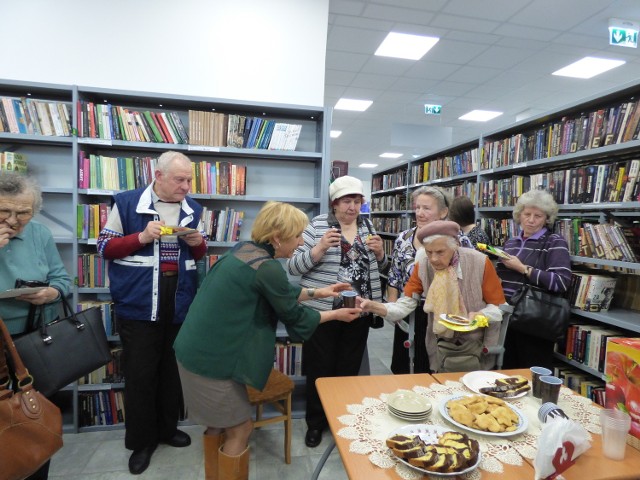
column 178, row 440
column 313, row 437
column 139, row 459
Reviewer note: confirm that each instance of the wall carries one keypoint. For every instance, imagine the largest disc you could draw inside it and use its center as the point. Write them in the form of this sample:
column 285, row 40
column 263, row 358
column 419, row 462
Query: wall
column 255, row 50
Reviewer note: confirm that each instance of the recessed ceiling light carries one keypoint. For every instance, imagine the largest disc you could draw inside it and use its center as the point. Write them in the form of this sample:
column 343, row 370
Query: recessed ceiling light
column 404, row 45
column 351, row 104
column 480, row 115
column 588, row 67
column 368, row 165
column 335, row 133
column 390, row 155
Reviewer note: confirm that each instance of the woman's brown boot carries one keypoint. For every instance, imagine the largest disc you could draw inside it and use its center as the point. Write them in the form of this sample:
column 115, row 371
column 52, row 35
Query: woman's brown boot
column 211, row 445
column 233, row 467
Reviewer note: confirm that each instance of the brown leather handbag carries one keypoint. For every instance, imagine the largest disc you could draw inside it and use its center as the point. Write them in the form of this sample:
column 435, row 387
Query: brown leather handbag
column 30, row 425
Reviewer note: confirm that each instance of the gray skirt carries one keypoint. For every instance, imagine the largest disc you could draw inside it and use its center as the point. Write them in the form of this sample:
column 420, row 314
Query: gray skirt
column 214, row 403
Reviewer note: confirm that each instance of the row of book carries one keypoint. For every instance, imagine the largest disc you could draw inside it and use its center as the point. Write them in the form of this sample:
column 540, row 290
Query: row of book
column 219, row 178
column 93, row 271
column 445, row 167
column 218, row 129
column 91, row 219
column 609, row 241
column 582, row 383
column 112, row 372
column 113, row 122
column 587, row 344
column 386, row 203
column 222, row 225
column 102, row 407
column 13, row 162
column 34, row 117
column 288, row 358
column 391, row 225
column 604, row 126
column 389, row 180
column 107, row 312
column 499, row 230
column 616, row 182
column 114, row 173
column 591, row 292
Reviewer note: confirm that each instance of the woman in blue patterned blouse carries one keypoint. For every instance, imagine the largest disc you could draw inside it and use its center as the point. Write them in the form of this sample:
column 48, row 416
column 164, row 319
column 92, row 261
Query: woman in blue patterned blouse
column 429, row 203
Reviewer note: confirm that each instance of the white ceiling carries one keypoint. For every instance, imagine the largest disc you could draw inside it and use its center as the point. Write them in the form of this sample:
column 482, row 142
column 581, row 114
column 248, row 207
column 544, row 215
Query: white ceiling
column 492, row 55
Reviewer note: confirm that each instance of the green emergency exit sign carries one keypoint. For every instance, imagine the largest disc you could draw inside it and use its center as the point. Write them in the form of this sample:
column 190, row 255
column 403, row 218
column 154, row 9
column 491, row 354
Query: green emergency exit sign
column 432, row 109
column 623, row 33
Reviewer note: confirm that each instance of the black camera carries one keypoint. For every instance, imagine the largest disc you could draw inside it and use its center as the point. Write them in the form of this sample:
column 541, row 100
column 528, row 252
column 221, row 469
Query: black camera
column 30, row 283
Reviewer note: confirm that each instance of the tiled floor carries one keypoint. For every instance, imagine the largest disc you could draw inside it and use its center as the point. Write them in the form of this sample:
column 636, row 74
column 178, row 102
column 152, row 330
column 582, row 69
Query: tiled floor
column 102, row 456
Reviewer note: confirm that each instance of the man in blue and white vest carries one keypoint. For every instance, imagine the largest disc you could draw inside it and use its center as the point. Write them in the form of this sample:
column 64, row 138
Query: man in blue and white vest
column 153, row 279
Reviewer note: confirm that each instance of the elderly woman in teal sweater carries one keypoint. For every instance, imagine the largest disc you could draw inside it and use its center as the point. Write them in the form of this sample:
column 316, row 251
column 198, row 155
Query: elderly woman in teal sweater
column 228, row 338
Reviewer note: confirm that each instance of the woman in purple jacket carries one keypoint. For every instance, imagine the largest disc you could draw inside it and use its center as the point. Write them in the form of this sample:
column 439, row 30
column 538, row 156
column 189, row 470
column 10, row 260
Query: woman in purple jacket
column 540, row 256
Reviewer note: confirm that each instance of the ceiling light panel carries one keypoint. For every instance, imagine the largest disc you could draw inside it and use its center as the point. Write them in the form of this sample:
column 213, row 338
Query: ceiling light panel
column 480, row 115
column 404, row 45
column 353, row 104
column 588, row 67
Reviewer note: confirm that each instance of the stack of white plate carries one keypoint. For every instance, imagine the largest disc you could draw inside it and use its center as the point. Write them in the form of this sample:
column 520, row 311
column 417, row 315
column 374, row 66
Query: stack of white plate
column 408, row 405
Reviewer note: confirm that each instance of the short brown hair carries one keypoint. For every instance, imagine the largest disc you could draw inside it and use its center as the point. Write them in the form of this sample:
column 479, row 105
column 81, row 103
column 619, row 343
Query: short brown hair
column 462, row 211
column 278, row 219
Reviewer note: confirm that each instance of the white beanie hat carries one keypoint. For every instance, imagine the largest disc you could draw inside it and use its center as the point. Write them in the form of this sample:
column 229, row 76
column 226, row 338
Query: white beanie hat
column 343, row 186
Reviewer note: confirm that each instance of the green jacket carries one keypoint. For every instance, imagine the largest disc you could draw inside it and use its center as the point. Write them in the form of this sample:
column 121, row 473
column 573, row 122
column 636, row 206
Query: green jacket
column 230, row 329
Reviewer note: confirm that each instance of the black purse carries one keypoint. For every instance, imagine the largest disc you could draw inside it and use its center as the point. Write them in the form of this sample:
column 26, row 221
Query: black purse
column 62, row 351
column 539, row 313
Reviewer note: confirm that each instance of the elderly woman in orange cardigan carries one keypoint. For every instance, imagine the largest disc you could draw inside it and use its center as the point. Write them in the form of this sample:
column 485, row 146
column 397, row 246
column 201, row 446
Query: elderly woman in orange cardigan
column 455, row 281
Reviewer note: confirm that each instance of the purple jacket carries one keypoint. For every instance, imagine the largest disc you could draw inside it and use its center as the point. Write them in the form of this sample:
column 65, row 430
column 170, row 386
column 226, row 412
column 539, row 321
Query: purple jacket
column 548, row 253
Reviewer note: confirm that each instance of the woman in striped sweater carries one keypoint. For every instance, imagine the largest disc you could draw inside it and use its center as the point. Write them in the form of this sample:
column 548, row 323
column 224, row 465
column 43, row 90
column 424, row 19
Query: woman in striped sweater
column 540, row 256
column 339, row 246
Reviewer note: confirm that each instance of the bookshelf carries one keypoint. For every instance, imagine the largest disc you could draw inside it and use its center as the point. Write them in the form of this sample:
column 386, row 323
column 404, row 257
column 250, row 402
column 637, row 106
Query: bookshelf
column 293, row 169
column 563, row 151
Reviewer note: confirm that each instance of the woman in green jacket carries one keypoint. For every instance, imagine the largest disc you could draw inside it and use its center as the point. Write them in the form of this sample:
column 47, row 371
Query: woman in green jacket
column 228, row 338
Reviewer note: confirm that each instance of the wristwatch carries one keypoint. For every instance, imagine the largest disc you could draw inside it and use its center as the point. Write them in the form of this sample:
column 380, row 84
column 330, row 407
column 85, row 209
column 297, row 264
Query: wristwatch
column 311, row 292
column 527, row 270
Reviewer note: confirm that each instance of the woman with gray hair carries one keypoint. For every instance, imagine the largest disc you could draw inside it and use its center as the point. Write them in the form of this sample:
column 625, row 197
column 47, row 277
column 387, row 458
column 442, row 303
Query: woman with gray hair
column 429, row 204
column 456, row 281
column 539, row 257
column 27, row 252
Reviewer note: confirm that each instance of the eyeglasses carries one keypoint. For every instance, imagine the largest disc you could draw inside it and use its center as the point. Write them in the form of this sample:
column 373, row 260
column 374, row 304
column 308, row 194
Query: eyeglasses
column 20, row 216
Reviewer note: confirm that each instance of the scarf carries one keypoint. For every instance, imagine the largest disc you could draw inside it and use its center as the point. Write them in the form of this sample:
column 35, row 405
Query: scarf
column 444, row 297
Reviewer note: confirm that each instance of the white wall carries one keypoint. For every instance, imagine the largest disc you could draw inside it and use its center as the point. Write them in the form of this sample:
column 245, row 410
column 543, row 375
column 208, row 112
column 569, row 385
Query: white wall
column 255, row 50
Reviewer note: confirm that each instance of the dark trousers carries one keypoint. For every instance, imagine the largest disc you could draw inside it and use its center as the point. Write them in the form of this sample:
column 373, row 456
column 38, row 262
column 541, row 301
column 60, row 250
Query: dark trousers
column 152, row 392
column 400, row 356
column 525, row 351
column 334, row 350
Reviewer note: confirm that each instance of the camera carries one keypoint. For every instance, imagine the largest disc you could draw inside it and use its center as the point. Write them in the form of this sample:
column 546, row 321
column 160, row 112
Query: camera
column 29, row 283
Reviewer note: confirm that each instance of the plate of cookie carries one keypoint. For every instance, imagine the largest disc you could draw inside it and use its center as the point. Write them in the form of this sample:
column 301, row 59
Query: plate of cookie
column 434, row 450
column 484, row 415
column 496, row 384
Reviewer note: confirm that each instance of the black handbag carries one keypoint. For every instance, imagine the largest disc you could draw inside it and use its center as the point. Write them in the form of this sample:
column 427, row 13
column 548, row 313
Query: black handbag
column 539, row 313
column 60, row 352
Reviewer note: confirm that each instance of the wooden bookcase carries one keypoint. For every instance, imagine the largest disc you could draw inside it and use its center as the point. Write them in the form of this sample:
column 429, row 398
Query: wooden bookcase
column 526, row 155
column 299, row 176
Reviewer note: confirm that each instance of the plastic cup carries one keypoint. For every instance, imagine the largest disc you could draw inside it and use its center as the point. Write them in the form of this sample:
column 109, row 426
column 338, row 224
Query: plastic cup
column 349, row 299
column 550, row 410
column 615, row 426
column 549, row 388
column 536, row 373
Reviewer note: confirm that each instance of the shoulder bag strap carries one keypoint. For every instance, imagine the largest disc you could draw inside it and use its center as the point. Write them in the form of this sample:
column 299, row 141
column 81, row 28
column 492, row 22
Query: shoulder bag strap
column 24, row 380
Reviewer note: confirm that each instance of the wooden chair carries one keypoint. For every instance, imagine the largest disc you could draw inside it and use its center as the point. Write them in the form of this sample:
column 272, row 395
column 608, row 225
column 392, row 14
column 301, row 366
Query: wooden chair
column 277, row 393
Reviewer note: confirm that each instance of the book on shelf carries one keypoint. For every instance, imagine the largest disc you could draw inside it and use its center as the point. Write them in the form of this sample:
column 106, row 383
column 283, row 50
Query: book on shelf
column 13, row 161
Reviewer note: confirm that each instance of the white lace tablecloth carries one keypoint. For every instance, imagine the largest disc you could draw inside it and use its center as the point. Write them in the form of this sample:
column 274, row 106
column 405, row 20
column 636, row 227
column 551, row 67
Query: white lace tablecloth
column 368, row 424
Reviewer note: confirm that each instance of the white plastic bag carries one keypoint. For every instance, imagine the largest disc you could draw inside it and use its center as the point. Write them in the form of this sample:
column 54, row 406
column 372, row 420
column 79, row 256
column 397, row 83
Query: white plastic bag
column 556, row 434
